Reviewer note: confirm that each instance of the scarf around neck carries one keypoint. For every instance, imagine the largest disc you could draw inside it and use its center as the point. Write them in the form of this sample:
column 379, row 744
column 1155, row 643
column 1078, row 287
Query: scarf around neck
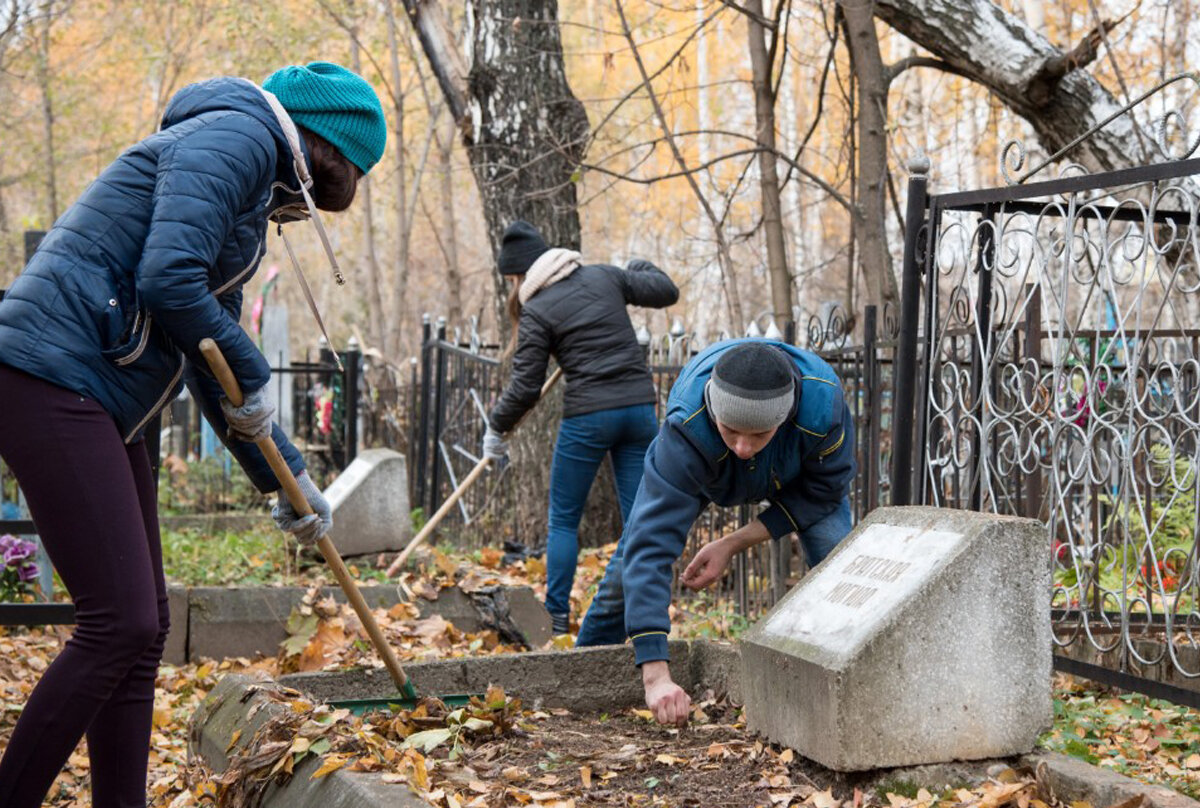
column 550, row 268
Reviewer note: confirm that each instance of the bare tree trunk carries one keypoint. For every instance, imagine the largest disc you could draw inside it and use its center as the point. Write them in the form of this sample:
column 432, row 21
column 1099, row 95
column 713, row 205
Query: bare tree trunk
column 870, row 211
column 449, row 232
column 400, row 280
column 374, row 284
column 524, row 129
column 43, row 79
column 761, row 63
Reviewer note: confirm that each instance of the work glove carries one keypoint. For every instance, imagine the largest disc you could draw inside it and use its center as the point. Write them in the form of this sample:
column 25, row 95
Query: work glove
column 309, row 529
column 495, row 447
column 250, row 421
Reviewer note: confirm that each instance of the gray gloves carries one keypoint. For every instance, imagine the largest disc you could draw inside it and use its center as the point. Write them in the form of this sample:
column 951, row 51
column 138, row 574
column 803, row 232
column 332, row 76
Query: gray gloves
column 495, row 447
column 250, row 421
column 308, row 530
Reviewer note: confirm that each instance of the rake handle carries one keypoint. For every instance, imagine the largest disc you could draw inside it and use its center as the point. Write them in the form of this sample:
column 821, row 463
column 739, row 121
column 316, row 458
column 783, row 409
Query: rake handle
column 470, row 479
column 220, row 368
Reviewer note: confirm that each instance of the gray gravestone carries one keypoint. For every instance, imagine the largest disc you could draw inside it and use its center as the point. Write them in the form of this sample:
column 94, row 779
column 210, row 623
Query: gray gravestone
column 924, row 637
column 370, row 504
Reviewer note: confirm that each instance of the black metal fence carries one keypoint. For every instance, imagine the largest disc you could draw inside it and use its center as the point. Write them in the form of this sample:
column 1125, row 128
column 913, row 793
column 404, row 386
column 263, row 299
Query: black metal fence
column 459, row 375
column 323, row 402
column 1049, row 330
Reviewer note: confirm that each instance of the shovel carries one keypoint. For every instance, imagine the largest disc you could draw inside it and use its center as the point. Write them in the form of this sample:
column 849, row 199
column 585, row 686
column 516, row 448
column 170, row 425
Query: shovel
column 408, row 694
column 470, row 479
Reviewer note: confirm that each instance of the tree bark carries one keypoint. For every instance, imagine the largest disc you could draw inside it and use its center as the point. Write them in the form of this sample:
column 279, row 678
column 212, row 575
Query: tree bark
column 870, row 211
column 528, row 128
column 449, row 232
column 429, row 20
column 524, row 129
column 1025, row 71
column 762, row 70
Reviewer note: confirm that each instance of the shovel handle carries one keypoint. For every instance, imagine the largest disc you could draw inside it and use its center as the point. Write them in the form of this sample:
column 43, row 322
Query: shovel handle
column 220, row 368
column 454, row 497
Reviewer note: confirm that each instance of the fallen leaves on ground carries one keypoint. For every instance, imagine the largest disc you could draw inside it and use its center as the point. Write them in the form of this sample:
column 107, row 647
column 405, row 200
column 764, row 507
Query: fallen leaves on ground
column 498, row 753
column 455, row 764
column 26, row 653
column 325, row 635
column 1147, row 739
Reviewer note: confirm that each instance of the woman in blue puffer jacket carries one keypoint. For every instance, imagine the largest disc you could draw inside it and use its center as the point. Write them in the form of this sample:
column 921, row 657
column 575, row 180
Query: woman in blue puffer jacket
column 96, row 336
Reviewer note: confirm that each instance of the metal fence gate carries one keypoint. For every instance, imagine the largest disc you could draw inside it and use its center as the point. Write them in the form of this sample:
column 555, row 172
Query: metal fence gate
column 1053, row 329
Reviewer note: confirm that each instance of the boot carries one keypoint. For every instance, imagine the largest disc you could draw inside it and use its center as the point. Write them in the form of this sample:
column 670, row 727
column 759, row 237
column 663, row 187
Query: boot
column 560, row 623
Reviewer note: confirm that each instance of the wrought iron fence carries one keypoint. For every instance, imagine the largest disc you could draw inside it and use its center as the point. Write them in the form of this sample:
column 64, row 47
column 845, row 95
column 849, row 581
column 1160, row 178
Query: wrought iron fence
column 1061, row 382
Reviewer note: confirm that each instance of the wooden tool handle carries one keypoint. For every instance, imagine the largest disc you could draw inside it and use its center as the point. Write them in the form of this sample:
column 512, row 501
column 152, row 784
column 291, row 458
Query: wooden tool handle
column 220, row 368
column 470, row 479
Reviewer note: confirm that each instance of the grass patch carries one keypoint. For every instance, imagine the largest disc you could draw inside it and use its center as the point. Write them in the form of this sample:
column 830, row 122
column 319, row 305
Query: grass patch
column 227, row 557
column 1151, row 740
column 901, row 788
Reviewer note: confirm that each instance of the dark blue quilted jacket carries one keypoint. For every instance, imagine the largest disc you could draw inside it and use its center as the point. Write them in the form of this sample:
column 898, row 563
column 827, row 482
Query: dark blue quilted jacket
column 804, row 472
column 151, row 259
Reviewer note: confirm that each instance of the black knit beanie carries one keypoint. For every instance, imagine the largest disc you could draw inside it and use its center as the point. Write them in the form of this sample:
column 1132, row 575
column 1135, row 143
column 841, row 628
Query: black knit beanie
column 751, row 387
column 519, row 248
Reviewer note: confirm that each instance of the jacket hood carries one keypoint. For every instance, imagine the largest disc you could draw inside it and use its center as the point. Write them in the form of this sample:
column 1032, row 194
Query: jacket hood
column 237, row 95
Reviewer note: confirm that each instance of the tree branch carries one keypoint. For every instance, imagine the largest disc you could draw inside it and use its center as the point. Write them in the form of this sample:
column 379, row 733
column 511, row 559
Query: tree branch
column 724, row 259
column 670, row 60
column 892, row 71
column 758, row 18
column 1041, row 89
column 812, row 127
column 688, row 171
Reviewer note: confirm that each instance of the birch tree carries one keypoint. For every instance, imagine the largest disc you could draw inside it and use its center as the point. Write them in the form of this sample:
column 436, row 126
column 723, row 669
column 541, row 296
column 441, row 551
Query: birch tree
column 523, row 128
column 1043, row 83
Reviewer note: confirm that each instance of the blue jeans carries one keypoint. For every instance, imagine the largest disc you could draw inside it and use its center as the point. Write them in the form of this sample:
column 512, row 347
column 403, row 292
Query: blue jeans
column 583, row 441
column 604, row 623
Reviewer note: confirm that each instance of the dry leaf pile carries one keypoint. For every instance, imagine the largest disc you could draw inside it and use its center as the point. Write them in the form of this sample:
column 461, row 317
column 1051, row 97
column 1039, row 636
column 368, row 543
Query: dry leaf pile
column 325, row 635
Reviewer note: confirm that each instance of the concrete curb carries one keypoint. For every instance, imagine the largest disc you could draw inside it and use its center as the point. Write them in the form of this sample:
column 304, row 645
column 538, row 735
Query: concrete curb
column 594, row 680
column 225, row 710
column 220, row 622
column 1073, row 779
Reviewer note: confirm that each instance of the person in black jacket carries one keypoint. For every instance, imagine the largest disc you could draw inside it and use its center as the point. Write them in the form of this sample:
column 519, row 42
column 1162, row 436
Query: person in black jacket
column 576, row 312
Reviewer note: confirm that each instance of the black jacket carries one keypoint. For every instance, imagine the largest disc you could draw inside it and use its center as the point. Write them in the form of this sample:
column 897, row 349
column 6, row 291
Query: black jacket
column 582, row 321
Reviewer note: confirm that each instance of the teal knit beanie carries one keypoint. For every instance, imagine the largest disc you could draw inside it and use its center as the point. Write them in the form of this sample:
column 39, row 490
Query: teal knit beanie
column 336, row 104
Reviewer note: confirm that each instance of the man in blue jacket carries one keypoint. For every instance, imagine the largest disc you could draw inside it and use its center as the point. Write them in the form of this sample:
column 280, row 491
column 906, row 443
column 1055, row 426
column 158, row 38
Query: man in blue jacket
column 748, row 420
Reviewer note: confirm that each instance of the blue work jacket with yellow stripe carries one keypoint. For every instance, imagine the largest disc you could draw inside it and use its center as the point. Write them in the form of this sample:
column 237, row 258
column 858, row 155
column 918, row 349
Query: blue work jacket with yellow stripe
column 803, row 474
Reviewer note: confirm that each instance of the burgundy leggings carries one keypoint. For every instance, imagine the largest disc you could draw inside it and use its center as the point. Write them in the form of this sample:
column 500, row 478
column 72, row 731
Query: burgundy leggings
column 92, row 499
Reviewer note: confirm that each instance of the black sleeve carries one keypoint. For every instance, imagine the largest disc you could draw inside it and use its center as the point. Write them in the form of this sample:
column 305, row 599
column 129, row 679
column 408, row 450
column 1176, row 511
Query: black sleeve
column 528, row 373
column 646, row 285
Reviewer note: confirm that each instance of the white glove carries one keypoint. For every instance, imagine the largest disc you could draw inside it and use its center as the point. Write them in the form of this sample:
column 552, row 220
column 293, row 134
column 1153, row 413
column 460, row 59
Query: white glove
column 495, row 447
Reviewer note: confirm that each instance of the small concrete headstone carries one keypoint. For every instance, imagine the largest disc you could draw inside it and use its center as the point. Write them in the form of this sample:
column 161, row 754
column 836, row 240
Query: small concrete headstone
column 370, row 504
column 924, row 638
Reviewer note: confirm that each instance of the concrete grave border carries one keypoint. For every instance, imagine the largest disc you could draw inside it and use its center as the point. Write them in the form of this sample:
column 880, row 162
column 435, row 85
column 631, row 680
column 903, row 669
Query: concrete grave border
column 219, row 622
column 593, row 679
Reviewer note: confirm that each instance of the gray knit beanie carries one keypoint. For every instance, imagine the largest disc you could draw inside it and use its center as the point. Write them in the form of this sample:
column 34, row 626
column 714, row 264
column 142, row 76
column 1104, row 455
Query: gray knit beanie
column 751, row 388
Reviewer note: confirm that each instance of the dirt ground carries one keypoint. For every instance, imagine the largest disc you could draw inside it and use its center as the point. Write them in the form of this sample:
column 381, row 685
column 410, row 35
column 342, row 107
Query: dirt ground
column 627, row 759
